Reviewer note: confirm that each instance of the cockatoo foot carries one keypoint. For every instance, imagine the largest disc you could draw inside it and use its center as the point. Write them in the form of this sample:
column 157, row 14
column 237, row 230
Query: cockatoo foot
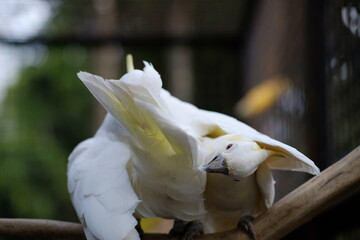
column 245, row 224
column 187, row 231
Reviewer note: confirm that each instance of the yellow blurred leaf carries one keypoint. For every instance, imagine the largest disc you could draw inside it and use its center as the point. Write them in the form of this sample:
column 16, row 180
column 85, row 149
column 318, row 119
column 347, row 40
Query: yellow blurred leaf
column 262, row 96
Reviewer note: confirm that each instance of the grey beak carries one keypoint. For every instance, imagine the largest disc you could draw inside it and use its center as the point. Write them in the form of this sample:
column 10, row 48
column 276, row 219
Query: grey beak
column 217, row 165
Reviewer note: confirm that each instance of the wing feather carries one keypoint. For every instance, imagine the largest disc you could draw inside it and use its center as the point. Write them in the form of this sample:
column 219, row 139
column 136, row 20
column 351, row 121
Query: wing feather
column 166, row 158
column 100, row 188
column 203, row 123
column 266, row 184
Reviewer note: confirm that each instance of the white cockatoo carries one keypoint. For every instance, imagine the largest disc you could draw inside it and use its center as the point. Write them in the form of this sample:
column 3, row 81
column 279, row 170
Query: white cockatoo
column 140, row 158
column 238, row 161
column 156, row 156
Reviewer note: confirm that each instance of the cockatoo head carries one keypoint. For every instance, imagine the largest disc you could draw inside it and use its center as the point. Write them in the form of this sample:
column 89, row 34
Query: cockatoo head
column 234, row 156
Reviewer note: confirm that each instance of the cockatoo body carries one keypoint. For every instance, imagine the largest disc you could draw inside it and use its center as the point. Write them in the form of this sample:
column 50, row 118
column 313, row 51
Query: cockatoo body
column 153, row 152
column 147, row 151
column 239, row 162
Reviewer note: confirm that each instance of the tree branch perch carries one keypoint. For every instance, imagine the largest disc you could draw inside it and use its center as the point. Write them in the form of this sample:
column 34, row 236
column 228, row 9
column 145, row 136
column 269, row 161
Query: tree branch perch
column 298, row 207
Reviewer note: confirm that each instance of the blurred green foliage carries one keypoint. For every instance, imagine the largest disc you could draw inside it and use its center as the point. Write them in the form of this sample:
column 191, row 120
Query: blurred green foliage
column 43, row 117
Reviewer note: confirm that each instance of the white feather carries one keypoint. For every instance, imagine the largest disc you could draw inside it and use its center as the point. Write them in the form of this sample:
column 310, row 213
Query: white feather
column 259, row 191
column 165, row 159
column 201, row 122
column 100, row 188
column 152, row 144
column 266, row 184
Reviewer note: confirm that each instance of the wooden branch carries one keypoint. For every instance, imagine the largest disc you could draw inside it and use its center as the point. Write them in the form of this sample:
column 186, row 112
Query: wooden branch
column 311, row 198
column 298, row 207
column 40, row 228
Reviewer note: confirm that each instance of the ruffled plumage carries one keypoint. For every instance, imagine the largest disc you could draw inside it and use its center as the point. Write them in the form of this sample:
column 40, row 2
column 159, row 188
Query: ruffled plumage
column 145, row 157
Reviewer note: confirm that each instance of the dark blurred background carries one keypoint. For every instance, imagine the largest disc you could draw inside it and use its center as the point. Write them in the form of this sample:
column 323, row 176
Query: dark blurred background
column 291, row 69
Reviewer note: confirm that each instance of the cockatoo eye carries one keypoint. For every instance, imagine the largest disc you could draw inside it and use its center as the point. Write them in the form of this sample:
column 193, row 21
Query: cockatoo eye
column 229, row 146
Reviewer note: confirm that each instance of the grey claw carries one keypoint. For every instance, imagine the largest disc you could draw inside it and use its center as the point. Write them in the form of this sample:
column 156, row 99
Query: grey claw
column 245, row 224
column 186, row 231
column 193, row 229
